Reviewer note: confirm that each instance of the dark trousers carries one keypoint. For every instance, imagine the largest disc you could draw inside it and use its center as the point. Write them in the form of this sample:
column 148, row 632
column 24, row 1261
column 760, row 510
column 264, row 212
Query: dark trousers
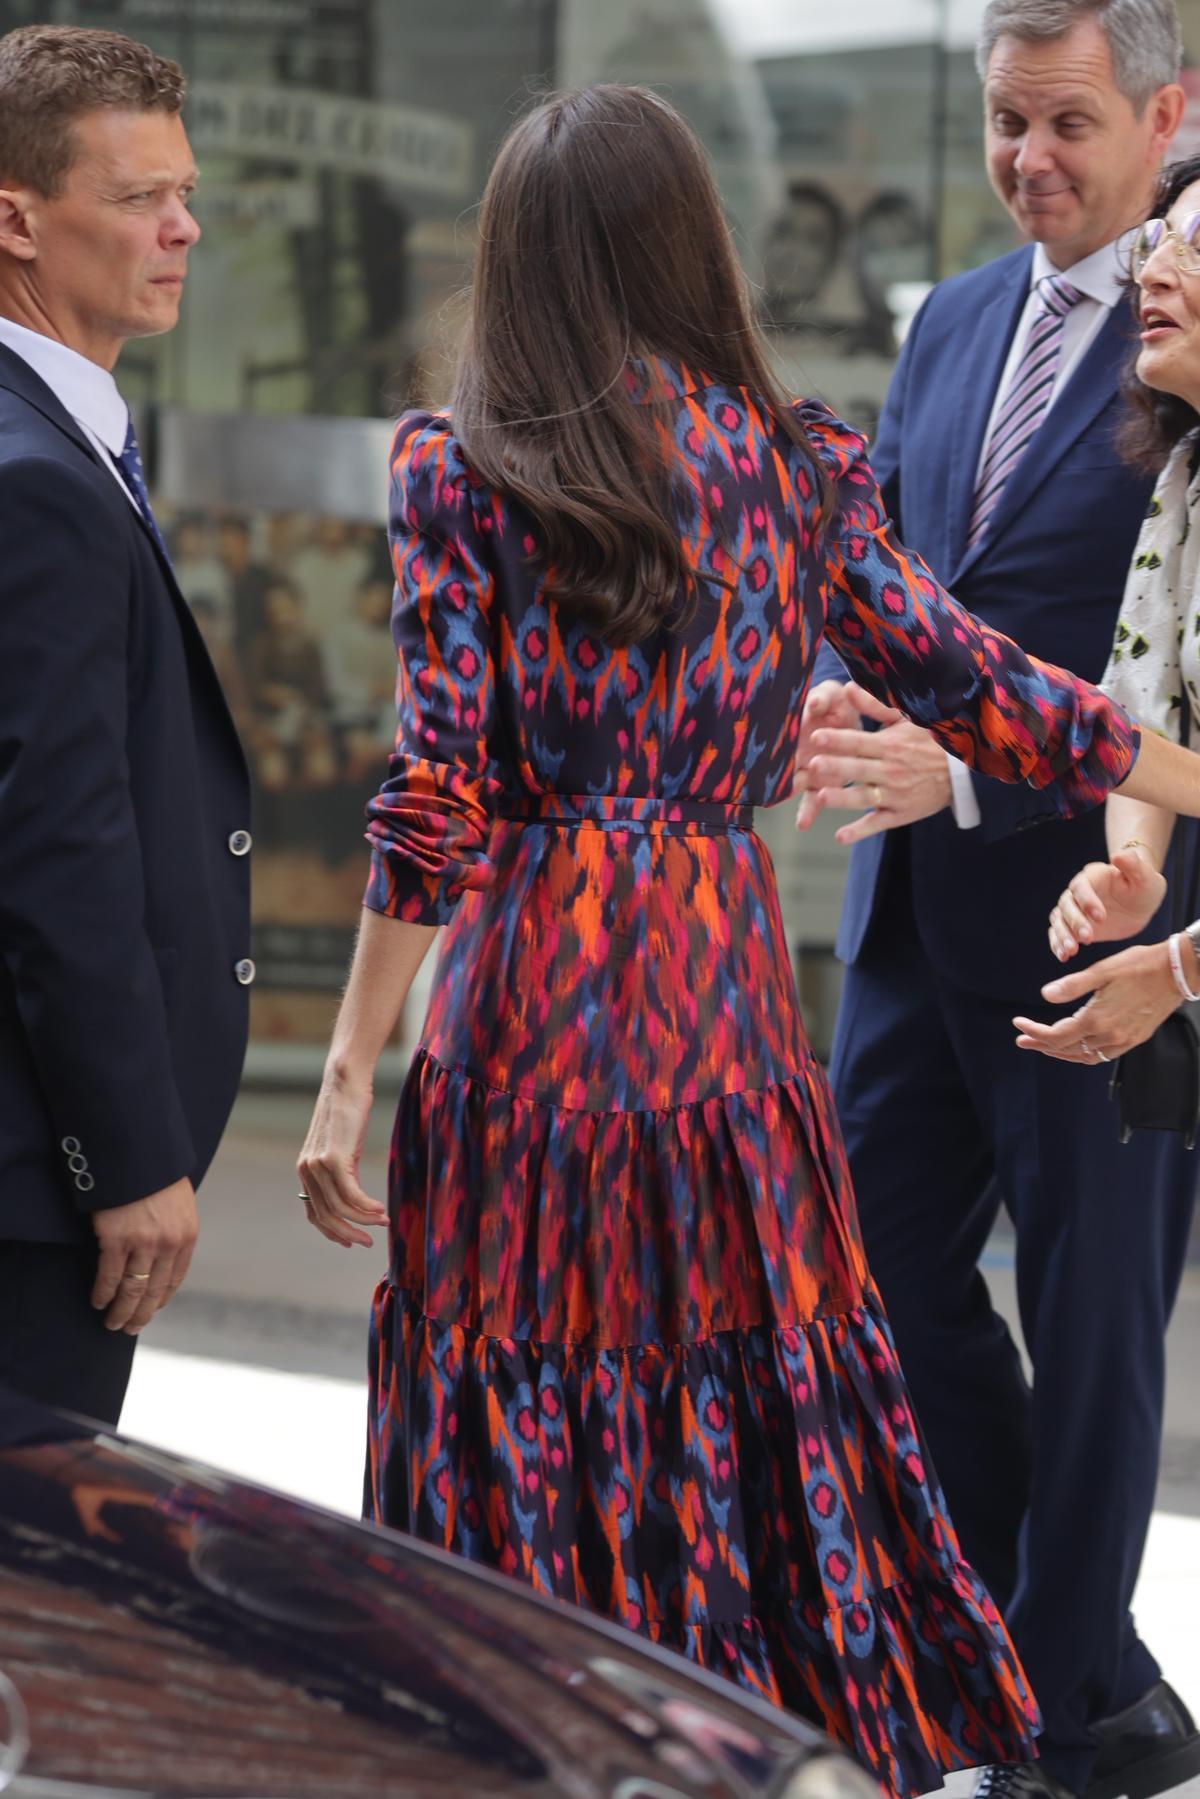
column 1051, row 1490
column 53, row 1343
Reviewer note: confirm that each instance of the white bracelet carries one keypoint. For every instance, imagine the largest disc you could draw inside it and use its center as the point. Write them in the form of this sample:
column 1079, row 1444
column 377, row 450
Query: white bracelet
column 1176, row 961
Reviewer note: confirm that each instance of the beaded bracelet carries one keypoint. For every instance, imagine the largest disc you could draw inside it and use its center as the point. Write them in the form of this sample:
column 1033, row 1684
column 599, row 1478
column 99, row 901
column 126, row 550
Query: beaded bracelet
column 1176, row 961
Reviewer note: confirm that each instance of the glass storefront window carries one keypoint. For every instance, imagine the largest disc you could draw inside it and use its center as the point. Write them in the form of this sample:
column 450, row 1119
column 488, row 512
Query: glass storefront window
column 343, row 145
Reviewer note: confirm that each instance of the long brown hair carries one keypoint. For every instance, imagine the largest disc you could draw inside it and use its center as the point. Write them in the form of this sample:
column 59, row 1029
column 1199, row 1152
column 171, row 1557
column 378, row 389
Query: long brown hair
column 1154, row 421
column 602, row 241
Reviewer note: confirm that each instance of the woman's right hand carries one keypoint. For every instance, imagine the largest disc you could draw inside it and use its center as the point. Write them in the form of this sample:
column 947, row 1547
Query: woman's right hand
column 1106, row 902
column 328, row 1166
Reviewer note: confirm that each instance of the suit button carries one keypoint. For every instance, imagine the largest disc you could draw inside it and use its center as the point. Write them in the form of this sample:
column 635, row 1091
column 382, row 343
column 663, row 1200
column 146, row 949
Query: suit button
column 70, row 1146
column 239, row 843
column 244, row 971
column 85, row 1182
column 77, row 1164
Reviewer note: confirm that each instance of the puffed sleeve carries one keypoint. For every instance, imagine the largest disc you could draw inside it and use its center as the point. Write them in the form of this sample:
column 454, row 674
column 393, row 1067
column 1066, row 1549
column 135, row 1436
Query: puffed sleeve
column 911, row 644
column 429, row 823
column 1144, row 673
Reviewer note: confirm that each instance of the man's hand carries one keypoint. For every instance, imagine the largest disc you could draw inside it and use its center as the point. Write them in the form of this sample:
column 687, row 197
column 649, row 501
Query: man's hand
column 1106, row 902
column 894, row 776
column 145, row 1249
column 831, row 705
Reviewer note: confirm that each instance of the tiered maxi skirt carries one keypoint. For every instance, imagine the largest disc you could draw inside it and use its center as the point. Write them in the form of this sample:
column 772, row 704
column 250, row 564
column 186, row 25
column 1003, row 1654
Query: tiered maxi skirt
column 628, row 1348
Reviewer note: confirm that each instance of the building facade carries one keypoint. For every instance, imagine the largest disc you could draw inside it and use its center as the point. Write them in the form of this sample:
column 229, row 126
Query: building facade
column 343, row 145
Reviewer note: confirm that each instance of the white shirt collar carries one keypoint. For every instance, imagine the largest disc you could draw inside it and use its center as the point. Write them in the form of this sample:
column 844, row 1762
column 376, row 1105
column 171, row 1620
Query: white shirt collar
column 87, row 391
column 1101, row 276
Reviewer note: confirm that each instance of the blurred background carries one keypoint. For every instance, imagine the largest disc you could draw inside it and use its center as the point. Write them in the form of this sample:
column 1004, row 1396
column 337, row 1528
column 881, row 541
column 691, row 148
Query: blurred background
column 343, row 145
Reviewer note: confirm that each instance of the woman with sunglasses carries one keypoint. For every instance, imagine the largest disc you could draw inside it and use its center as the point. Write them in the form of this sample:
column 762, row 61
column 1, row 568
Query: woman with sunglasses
column 628, row 1348
column 1154, row 670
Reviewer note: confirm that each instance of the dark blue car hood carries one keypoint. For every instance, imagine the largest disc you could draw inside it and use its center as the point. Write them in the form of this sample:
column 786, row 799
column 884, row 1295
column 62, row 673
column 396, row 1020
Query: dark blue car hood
column 169, row 1631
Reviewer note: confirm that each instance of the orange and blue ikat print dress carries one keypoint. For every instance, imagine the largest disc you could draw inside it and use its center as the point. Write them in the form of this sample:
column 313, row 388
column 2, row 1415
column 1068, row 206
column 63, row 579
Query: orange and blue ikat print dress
column 628, row 1348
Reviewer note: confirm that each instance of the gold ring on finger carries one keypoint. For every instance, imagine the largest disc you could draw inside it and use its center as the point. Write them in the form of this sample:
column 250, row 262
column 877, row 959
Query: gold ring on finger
column 137, row 1277
column 877, row 797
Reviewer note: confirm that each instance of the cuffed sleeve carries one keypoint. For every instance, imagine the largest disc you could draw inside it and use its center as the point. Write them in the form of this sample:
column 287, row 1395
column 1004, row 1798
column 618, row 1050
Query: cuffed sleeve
column 430, row 822
column 963, row 803
column 906, row 640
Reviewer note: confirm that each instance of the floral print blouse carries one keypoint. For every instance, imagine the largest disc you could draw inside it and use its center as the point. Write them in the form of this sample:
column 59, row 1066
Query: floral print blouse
column 1156, row 652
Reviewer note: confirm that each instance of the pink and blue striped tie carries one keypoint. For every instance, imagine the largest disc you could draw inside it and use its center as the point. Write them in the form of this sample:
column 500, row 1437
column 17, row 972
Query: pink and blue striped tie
column 1027, row 401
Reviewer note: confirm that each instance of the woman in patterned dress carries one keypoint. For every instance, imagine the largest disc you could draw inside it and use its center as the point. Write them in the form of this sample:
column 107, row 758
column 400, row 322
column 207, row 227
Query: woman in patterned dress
column 627, row 1347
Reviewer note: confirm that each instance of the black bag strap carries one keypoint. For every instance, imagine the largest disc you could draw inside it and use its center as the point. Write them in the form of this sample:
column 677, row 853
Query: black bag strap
column 1183, row 911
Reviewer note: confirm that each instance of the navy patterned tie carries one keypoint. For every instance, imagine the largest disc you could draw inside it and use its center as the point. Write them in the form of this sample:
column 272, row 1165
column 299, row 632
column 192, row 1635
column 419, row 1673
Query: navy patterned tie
column 130, row 464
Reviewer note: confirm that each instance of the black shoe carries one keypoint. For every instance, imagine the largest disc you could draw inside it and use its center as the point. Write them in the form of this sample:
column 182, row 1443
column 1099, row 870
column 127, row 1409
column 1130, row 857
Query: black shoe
column 1147, row 1749
column 1019, row 1780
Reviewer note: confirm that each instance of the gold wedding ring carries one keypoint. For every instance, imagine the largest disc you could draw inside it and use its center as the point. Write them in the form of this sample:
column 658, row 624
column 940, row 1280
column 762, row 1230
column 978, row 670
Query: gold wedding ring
column 137, row 1277
column 877, row 797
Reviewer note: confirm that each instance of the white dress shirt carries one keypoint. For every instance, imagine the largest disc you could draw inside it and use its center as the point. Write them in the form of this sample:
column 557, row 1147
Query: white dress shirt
column 1101, row 279
column 83, row 388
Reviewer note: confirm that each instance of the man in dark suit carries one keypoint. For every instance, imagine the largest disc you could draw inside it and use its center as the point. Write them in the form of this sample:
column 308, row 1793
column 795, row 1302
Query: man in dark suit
column 997, row 458
column 124, row 882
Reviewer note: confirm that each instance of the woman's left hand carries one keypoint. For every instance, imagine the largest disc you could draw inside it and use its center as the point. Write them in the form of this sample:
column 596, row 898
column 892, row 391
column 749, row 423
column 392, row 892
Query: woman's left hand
column 1131, row 993
column 328, row 1167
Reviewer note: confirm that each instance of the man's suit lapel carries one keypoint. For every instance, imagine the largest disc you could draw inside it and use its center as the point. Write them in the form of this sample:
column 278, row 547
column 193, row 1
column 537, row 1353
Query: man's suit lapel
column 976, row 380
column 17, row 376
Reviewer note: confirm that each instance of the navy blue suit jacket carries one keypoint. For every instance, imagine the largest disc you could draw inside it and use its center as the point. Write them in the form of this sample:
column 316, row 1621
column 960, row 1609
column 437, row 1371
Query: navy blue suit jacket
column 1050, row 573
column 123, row 910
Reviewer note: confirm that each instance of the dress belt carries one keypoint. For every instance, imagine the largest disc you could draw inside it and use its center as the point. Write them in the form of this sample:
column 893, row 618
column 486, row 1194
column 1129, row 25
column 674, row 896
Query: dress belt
column 660, row 814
